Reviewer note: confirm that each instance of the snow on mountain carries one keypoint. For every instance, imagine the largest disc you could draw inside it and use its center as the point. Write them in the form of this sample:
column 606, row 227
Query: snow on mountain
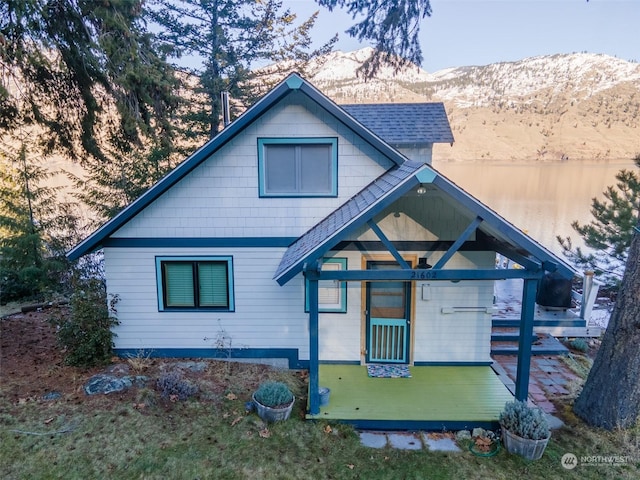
column 581, row 74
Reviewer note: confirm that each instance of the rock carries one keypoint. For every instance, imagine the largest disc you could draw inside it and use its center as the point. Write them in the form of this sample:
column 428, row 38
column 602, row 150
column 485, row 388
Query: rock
column 119, row 369
column 478, row 432
column 463, row 435
column 192, row 366
column 104, row 383
column 51, row 396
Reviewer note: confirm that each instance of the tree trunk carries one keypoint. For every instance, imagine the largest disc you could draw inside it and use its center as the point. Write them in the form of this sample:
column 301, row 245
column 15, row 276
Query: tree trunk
column 611, row 395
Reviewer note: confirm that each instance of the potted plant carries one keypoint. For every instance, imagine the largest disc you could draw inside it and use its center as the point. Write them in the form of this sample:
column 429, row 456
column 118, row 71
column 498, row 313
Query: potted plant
column 273, row 401
column 525, row 430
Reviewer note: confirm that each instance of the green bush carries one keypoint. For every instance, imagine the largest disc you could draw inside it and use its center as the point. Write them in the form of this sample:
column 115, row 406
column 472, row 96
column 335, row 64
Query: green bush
column 273, row 394
column 86, row 332
column 524, row 421
column 579, row 344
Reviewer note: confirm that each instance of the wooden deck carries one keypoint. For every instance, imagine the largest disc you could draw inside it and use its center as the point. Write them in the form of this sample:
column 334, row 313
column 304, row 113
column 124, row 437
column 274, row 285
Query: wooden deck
column 434, row 398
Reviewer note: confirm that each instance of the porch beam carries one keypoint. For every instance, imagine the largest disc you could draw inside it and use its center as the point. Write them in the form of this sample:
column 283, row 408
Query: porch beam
column 458, row 243
column 387, row 243
column 311, row 275
column 512, row 254
column 524, row 342
column 431, row 274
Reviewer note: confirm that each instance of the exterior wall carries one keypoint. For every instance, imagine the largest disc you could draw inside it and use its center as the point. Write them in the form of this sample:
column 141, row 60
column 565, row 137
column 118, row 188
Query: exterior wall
column 464, row 334
column 438, row 336
column 419, row 154
column 220, row 197
column 266, row 315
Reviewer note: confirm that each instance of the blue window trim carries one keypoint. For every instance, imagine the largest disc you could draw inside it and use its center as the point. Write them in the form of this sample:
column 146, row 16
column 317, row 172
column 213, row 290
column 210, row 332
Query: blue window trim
column 333, row 141
column 205, row 258
column 343, row 290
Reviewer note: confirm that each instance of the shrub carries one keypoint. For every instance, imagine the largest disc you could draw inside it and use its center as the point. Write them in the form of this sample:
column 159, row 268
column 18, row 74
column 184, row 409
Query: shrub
column 273, row 394
column 579, row 344
column 524, row 421
column 172, row 385
column 86, row 332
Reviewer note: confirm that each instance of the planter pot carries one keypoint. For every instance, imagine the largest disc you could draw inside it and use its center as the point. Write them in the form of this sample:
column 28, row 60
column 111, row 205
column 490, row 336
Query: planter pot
column 271, row 414
column 525, row 447
column 324, row 396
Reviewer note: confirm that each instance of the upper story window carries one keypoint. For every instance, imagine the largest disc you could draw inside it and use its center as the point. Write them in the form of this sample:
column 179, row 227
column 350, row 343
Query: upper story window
column 298, row 167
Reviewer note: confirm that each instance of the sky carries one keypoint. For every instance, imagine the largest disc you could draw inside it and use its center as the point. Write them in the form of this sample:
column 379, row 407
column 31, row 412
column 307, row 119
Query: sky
column 480, row 32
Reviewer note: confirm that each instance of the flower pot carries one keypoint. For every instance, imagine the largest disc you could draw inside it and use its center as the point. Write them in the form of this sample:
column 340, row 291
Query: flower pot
column 525, row 447
column 273, row 414
column 324, row 393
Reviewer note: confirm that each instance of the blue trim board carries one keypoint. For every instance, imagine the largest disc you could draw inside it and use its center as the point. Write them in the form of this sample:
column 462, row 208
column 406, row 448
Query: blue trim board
column 549, row 260
column 290, row 354
column 453, row 364
column 415, row 425
column 199, row 242
column 515, row 322
column 292, row 83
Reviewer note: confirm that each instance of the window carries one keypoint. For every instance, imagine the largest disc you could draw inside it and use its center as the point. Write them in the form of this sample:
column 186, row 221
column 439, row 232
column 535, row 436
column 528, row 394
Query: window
column 195, row 283
column 301, row 167
column 332, row 294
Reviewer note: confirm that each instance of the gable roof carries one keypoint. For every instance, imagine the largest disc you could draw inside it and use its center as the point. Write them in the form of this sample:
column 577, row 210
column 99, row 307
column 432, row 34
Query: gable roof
column 405, row 124
column 293, row 82
column 384, row 191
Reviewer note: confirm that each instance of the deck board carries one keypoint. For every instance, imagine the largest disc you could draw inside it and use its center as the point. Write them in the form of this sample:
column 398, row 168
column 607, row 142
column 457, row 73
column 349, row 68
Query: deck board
column 440, row 394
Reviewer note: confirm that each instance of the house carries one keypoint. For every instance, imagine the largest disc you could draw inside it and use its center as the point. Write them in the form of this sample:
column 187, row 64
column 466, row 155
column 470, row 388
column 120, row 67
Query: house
column 318, row 236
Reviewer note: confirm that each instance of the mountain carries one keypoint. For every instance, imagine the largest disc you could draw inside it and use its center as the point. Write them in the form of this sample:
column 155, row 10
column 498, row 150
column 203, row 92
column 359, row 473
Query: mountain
column 546, row 108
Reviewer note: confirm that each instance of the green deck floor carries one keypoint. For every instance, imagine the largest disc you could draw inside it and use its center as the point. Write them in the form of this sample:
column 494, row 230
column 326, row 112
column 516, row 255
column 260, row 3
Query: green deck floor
column 434, row 397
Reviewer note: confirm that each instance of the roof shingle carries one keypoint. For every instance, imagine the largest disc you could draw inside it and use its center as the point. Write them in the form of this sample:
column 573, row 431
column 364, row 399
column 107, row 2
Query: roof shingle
column 404, row 124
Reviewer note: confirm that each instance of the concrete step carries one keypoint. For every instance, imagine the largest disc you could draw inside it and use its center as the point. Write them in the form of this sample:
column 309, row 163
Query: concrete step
column 515, row 322
column 544, row 344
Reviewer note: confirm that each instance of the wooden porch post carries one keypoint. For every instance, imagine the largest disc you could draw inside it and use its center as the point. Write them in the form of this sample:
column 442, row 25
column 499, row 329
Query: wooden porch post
column 314, row 347
column 526, row 335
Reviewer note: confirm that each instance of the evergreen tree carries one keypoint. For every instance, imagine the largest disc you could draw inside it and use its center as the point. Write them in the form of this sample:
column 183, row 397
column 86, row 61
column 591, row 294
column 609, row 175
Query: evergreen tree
column 611, row 230
column 34, row 233
column 69, row 65
column 610, row 397
column 231, row 37
column 392, row 25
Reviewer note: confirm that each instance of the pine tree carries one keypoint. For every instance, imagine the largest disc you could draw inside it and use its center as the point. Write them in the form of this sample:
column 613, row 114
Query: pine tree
column 231, row 37
column 608, row 235
column 34, row 231
column 71, row 65
column 392, row 25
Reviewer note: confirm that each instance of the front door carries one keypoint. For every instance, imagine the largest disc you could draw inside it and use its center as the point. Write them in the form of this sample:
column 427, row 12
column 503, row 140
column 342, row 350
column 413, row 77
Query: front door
column 387, row 317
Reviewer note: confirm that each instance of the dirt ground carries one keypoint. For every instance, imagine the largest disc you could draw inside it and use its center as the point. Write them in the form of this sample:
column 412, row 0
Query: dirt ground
column 32, row 365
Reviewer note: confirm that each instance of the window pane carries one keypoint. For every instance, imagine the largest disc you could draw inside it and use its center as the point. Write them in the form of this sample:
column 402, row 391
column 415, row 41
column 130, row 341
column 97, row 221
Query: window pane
column 329, row 290
column 280, row 169
column 315, row 169
column 178, row 279
column 212, row 281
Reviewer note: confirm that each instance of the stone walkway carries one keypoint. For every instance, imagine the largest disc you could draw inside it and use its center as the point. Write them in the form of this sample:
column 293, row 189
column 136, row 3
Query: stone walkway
column 410, row 441
column 550, row 377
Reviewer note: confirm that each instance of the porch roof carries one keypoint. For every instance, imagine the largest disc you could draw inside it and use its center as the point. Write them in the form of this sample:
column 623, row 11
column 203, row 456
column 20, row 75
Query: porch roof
column 388, row 188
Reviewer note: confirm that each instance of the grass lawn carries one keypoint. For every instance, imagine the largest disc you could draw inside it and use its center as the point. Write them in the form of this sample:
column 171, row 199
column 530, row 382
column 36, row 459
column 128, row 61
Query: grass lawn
column 138, row 434
column 213, row 437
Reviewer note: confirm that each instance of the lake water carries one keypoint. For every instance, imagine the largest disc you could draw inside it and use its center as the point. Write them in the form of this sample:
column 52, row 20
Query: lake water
column 542, row 199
